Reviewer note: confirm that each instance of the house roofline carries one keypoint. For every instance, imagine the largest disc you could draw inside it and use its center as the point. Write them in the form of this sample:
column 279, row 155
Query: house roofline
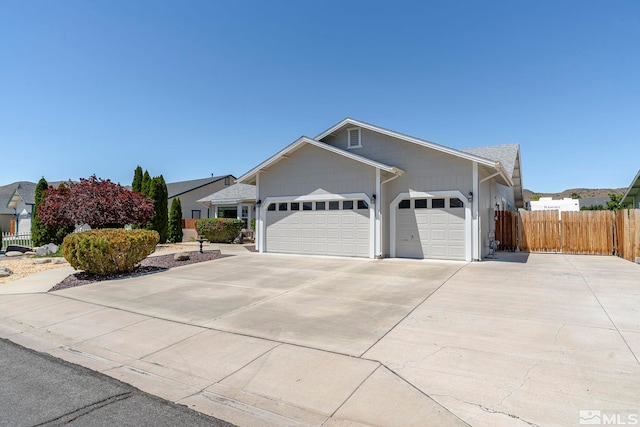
column 631, row 186
column 200, row 186
column 306, row 140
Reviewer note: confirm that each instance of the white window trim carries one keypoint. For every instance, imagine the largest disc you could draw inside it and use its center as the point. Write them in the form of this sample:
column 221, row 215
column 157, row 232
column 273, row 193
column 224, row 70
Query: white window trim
column 349, row 145
column 320, row 198
column 431, row 195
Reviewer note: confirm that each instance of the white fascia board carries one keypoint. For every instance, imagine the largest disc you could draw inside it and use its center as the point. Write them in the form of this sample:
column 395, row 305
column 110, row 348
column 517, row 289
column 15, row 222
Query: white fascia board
column 418, row 141
column 305, row 140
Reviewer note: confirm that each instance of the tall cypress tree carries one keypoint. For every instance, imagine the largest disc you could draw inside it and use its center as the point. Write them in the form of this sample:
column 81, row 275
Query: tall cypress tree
column 145, row 186
column 40, row 233
column 136, row 185
column 160, row 220
column 175, row 221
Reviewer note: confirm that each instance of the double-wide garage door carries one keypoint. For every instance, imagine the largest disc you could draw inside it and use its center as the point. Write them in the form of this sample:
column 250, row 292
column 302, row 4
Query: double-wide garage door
column 431, row 228
column 324, row 227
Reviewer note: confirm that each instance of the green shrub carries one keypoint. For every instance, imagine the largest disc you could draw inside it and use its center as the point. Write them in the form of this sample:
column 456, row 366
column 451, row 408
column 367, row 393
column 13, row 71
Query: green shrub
column 108, row 251
column 175, row 221
column 219, row 230
column 252, row 223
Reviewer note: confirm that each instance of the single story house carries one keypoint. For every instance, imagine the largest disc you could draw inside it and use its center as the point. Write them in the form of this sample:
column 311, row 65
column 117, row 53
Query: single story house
column 236, row 201
column 189, row 192
column 632, row 197
column 360, row 190
column 16, row 207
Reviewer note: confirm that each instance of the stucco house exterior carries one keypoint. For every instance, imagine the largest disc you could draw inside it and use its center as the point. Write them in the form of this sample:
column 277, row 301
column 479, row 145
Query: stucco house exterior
column 189, row 192
column 236, row 201
column 632, row 196
column 361, row 190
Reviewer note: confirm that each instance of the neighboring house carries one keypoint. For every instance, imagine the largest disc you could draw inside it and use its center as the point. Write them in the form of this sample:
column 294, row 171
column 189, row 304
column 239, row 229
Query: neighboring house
column 236, row 201
column 548, row 204
column 16, row 207
column 632, row 197
column 361, row 190
column 189, row 192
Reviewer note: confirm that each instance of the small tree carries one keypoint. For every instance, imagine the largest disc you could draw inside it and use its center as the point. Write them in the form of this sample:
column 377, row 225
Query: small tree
column 615, row 202
column 136, row 185
column 575, row 196
column 160, row 220
column 536, row 197
column 175, row 221
column 145, row 186
column 96, row 202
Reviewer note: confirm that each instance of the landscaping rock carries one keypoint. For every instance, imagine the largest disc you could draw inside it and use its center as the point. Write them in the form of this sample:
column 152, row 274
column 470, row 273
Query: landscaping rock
column 5, row 272
column 18, row 248
column 30, row 253
column 58, row 260
column 11, row 254
column 181, row 257
column 49, row 248
column 42, row 260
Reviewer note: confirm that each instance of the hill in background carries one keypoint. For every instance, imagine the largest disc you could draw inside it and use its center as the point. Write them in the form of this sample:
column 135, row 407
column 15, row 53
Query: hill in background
column 585, row 193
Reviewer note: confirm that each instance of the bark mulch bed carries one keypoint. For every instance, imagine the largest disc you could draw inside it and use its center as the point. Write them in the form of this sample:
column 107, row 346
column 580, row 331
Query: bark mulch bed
column 147, row 266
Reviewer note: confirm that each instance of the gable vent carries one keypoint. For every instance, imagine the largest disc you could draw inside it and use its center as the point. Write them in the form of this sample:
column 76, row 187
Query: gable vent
column 354, row 138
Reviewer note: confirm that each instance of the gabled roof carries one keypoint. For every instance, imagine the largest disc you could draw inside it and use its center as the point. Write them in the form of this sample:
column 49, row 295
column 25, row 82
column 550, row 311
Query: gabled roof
column 495, row 164
column 509, row 156
column 249, row 177
column 175, row 189
column 633, row 190
column 25, row 191
column 233, row 194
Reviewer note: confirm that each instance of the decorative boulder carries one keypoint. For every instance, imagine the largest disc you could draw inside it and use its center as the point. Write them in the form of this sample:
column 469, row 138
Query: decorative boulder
column 49, row 248
column 59, row 261
column 42, row 260
column 10, row 254
column 5, row 272
column 181, row 257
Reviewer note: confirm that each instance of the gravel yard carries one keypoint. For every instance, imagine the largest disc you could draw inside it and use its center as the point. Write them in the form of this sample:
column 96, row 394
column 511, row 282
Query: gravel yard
column 23, row 266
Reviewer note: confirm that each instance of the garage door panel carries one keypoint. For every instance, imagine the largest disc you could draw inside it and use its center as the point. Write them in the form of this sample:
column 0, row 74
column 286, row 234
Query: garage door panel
column 431, row 233
column 336, row 232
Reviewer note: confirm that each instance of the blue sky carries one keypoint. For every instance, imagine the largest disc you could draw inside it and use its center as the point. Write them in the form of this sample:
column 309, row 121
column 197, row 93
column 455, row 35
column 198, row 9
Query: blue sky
column 191, row 88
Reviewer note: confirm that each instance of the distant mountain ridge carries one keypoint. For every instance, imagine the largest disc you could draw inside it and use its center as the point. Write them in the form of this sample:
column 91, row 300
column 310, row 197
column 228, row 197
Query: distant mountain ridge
column 585, row 193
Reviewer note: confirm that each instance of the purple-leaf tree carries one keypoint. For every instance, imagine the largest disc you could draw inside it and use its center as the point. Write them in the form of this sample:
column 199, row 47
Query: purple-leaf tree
column 94, row 201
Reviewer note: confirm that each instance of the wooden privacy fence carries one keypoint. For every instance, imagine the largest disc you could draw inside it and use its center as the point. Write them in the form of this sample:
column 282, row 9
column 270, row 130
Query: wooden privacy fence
column 189, row 223
column 583, row 232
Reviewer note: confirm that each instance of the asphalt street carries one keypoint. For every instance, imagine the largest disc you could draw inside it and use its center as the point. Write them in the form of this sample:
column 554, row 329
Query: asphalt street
column 39, row 390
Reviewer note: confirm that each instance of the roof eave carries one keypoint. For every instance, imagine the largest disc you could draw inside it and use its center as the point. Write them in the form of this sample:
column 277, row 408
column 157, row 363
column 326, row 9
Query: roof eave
column 635, row 184
column 249, row 177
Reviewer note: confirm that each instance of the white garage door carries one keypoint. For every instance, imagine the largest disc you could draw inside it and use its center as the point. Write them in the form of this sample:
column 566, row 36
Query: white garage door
column 319, row 228
column 431, row 228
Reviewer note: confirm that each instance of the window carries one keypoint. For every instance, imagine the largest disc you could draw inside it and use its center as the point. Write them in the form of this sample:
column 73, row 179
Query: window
column 320, row 206
column 437, row 203
column 454, row 202
column 271, row 207
column 196, row 214
column 405, row 204
column 295, row 206
column 227, row 180
column 306, row 206
column 421, row 203
column 347, row 204
column 282, row 206
column 244, row 216
column 354, row 138
column 363, row 204
column 334, row 206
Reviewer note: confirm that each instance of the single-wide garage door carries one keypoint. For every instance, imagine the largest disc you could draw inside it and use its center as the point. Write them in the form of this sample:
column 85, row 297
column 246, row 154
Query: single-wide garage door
column 431, row 228
column 328, row 227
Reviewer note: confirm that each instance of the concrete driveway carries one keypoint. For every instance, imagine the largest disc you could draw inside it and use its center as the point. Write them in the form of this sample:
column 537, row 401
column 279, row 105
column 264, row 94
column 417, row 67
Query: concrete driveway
column 288, row 340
